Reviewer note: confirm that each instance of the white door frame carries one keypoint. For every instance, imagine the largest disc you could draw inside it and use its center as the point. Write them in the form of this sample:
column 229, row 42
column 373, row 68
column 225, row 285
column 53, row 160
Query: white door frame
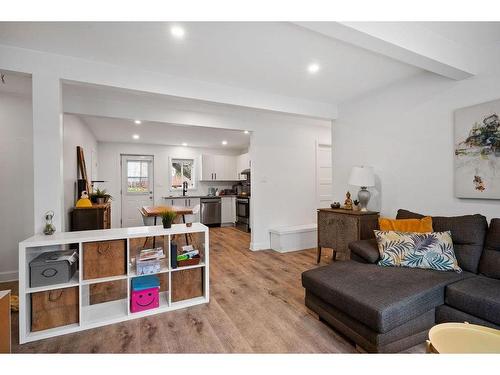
column 138, row 157
column 320, row 145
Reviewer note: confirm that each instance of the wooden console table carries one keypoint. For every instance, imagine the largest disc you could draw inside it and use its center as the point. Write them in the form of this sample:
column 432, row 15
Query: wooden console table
column 5, row 338
column 338, row 227
column 89, row 218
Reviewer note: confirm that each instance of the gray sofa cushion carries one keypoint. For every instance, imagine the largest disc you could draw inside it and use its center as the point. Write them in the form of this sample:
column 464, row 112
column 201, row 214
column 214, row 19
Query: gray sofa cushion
column 370, row 340
column 468, row 233
column 478, row 296
column 365, row 249
column 490, row 260
column 448, row 314
column 382, row 298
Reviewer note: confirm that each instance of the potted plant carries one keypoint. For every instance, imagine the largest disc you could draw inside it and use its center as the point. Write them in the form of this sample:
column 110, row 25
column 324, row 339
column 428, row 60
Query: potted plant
column 100, row 196
column 167, row 218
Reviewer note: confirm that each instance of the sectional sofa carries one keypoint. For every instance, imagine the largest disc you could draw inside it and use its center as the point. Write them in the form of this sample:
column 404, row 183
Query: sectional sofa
column 390, row 309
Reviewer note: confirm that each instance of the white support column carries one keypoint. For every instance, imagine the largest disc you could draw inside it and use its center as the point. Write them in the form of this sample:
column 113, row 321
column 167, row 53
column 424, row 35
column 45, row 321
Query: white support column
column 47, row 149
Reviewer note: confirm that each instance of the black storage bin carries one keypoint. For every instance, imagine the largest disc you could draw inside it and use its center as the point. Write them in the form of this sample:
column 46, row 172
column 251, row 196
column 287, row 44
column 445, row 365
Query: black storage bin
column 53, row 268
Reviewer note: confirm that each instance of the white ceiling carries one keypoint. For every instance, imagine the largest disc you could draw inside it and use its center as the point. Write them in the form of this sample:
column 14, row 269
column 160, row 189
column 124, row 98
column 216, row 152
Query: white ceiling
column 269, row 57
column 471, row 34
column 121, row 130
column 265, row 56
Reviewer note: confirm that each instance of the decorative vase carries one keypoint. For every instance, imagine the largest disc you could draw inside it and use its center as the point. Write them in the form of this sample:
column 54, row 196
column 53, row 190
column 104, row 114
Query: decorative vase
column 49, row 227
column 167, row 224
column 101, row 200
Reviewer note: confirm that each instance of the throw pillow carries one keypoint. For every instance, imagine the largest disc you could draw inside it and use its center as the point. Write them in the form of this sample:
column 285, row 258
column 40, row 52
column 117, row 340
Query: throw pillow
column 423, row 225
column 417, row 250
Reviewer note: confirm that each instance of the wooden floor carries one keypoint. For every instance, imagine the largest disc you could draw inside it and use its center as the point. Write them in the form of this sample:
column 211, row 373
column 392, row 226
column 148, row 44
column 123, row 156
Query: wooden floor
column 256, row 306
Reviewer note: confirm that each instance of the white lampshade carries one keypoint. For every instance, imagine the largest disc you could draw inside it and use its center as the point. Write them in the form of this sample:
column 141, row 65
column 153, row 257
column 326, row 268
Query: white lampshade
column 362, row 176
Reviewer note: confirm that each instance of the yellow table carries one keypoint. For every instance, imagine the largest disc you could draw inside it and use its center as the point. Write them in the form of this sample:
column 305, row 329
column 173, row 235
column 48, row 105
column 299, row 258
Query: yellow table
column 450, row 338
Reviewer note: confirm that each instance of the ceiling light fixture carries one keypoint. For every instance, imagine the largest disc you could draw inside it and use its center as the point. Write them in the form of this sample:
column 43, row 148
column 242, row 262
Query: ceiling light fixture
column 184, row 144
column 177, row 32
column 138, row 122
column 246, row 132
column 313, row 68
column 136, row 136
column 224, row 143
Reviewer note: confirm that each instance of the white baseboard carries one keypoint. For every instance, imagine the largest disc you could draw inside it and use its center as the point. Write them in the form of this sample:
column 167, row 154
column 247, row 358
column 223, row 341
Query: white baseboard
column 8, row 276
column 256, row 246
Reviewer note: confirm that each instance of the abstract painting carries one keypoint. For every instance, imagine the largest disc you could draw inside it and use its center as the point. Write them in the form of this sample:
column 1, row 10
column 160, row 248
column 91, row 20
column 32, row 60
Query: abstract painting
column 477, row 151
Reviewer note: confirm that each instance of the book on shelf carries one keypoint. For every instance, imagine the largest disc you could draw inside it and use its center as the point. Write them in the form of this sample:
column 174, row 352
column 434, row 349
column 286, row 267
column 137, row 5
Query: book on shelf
column 150, row 254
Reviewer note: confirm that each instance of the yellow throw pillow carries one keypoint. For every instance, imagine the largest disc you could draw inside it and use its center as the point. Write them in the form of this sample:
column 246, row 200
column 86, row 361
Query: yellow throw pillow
column 423, row 225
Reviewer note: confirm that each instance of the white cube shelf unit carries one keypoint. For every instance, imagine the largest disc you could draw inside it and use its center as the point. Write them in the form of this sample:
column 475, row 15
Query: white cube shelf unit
column 100, row 313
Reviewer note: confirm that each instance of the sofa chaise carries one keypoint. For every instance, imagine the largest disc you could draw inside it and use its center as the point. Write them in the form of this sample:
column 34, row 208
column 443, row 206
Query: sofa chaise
column 390, row 309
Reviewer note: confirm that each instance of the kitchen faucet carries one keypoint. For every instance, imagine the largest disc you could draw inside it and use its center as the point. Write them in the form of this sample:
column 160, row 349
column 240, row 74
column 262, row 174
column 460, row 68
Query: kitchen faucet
column 184, row 188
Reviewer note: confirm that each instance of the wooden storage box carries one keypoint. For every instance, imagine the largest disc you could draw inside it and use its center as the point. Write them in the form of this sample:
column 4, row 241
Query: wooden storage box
column 189, row 262
column 187, row 284
column 107, row 291
column 104, row 259
column 54, row 308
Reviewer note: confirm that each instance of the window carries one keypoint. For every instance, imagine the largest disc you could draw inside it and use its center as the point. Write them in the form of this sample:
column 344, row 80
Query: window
column 182, row 170
column 138, row 176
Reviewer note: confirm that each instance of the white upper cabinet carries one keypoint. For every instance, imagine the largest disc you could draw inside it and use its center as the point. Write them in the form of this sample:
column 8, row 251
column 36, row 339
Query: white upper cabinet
column 219, row 168
column 243, row 162
column 207, row 167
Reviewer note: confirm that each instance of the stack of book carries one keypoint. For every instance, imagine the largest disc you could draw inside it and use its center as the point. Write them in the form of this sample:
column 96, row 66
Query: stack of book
column 149, row 261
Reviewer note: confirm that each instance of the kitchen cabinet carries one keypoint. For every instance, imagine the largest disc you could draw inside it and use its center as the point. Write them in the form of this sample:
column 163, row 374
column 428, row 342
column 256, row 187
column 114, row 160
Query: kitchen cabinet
column 219, row 168
column 207, row 167
column 228, row 210
column 243, row 162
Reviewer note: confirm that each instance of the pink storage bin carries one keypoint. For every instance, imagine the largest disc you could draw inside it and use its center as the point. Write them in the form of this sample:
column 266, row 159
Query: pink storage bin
column 146, row 299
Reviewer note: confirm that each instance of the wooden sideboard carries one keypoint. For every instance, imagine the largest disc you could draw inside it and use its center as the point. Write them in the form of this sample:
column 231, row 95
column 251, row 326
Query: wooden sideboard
column 338, row 227
column 5, row 335
column 91, row 218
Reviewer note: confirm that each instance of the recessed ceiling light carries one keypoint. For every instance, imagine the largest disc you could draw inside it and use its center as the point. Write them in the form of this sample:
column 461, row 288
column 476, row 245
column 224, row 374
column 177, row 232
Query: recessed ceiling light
column 136, row 136
column 313, row 68
column 224, row 143
column 184, row 144
column 177, row 32
column 246, row 132
column 138, row 122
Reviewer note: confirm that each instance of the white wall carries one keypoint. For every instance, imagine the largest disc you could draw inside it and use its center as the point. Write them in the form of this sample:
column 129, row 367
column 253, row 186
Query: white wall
column 406, row 133
column 109, row 170
column 76, row 133
column 282, row 149
column 16, row 182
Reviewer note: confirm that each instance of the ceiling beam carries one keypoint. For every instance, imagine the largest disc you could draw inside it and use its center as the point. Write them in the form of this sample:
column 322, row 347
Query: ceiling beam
column 407, row 42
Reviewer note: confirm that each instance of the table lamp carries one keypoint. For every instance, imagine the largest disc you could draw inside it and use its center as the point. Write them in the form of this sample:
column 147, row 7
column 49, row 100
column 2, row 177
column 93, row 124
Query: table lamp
column 362, row 177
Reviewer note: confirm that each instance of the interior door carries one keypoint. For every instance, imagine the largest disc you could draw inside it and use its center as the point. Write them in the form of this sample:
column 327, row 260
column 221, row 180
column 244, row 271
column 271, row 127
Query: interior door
column 137, row 188
column 324, row 182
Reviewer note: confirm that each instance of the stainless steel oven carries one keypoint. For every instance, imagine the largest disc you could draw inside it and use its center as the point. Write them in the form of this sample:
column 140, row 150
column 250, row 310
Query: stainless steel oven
column 243, row 213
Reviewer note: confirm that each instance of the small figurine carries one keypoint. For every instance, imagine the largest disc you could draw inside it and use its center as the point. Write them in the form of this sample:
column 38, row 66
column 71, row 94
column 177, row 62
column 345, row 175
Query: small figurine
column 49, row 227
column 348, row 201
column 335, row 205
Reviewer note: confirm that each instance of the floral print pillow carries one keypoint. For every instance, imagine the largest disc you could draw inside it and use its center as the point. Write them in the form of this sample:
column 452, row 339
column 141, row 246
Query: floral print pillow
column 417, row 250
